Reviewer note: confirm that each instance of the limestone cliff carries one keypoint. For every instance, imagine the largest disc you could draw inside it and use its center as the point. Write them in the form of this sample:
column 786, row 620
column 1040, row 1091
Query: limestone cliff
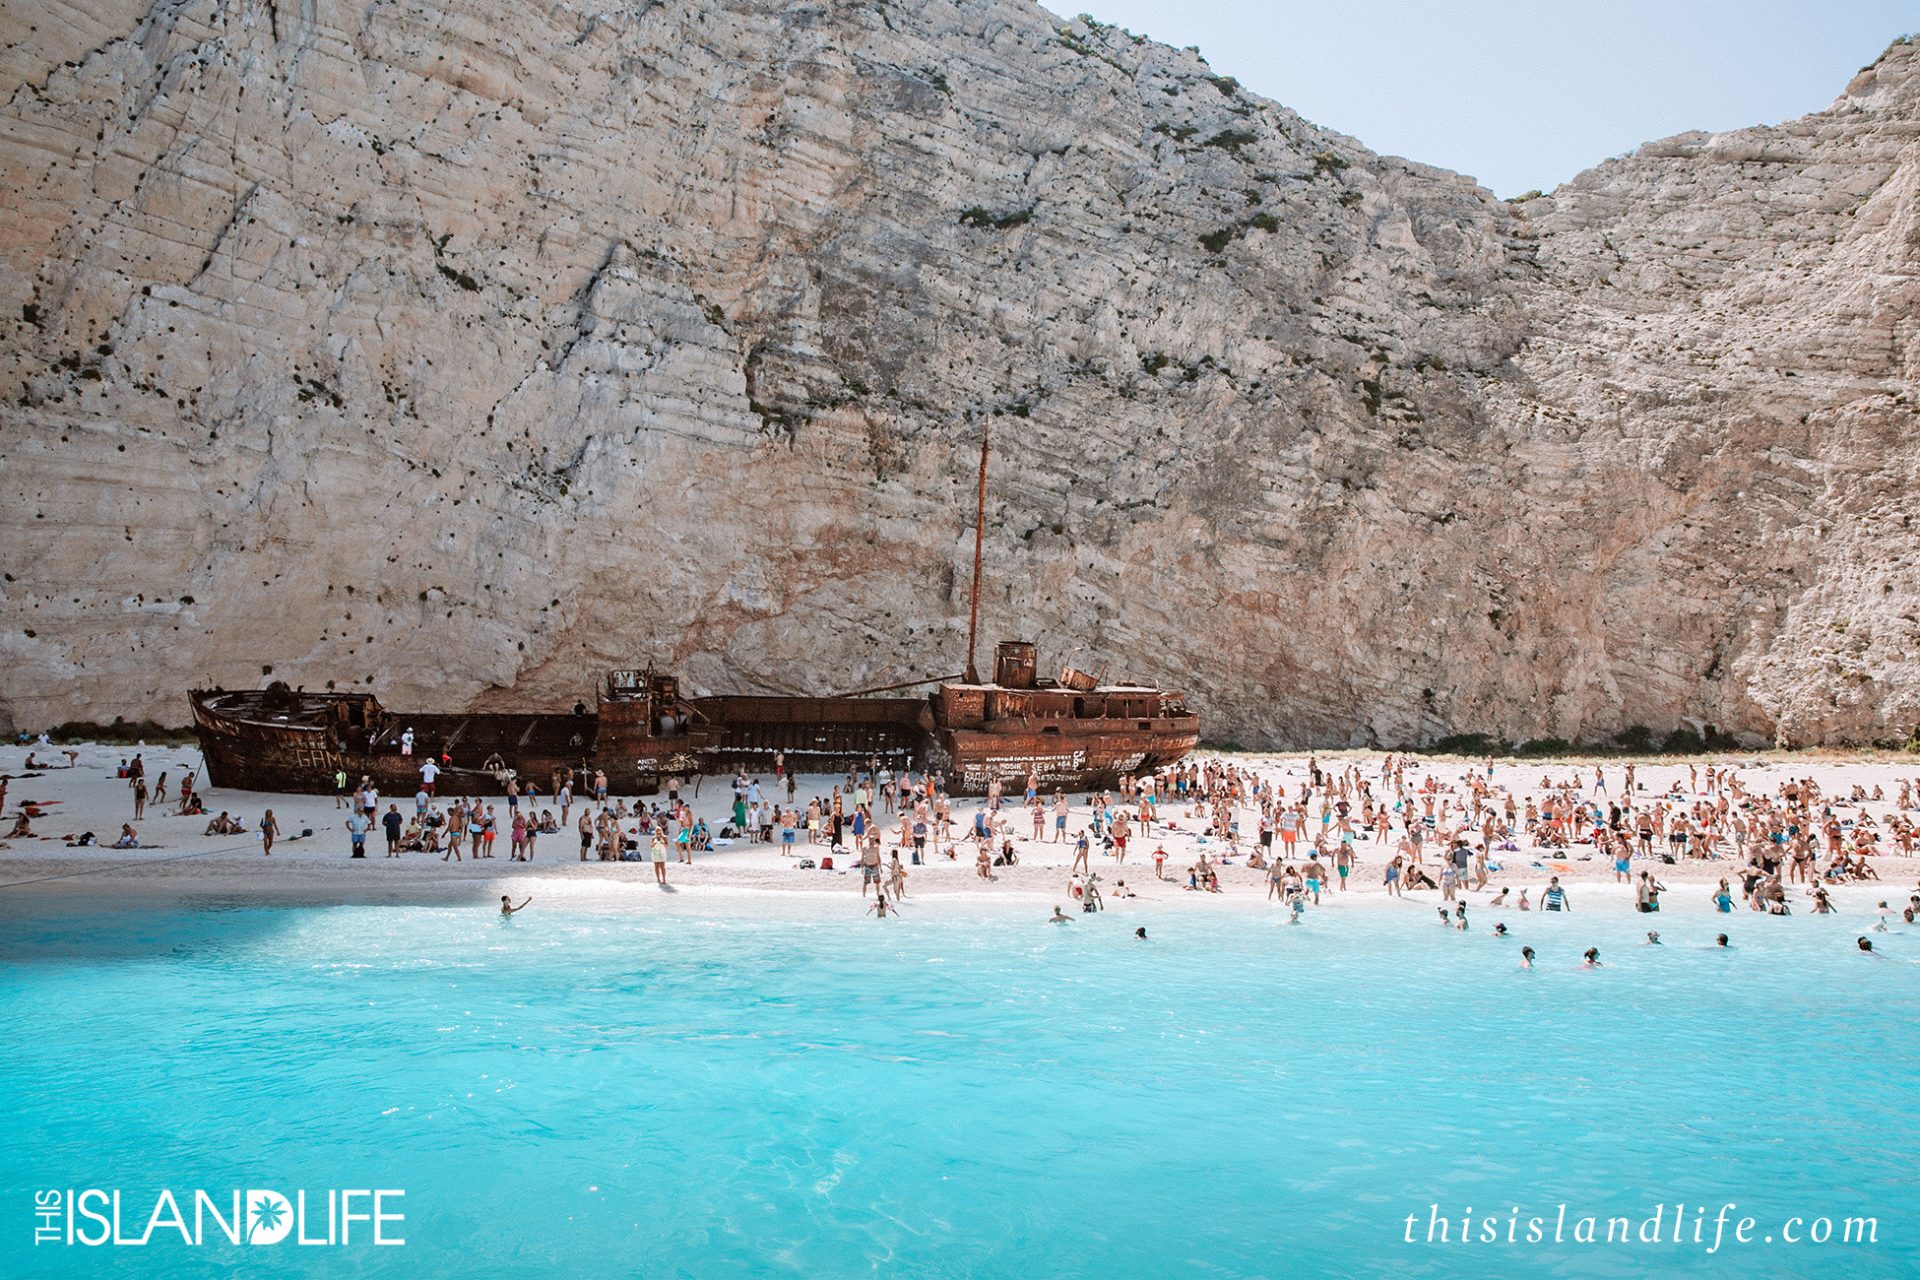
column 463, row 350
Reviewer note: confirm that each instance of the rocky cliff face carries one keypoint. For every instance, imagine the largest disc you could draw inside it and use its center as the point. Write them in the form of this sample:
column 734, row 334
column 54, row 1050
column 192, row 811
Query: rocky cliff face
column 461, row 351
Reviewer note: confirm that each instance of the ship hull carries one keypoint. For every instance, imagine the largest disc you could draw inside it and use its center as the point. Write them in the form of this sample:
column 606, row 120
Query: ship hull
column 976, row 758
column 304, row 746
column 1070, row 736
column 299, row 742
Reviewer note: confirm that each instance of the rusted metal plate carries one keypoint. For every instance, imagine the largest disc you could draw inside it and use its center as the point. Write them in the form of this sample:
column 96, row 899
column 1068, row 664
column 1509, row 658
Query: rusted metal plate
column 1067, row 737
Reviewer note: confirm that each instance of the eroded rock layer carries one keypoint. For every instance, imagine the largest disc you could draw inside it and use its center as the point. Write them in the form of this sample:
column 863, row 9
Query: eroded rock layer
column 461, row 350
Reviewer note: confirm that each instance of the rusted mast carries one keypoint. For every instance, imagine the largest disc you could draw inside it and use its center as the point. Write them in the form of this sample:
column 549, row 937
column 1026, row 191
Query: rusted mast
column 979, row 534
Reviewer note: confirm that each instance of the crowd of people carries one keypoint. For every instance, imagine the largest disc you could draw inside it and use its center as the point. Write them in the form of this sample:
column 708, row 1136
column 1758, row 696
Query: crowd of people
column 1296, row 830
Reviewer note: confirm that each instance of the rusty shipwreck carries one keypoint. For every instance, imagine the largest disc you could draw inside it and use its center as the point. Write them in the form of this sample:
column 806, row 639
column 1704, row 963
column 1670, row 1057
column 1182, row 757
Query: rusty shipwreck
column 1074, row 733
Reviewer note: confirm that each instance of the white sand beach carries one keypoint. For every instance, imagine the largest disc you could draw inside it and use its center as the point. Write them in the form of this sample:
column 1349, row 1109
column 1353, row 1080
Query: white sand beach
column 746, row 878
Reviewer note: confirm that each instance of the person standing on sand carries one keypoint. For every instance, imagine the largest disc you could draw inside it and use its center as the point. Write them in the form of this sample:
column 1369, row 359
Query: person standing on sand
column 1059, row 817
column 392, row 821
column 269, row 828
column 658, row 853
column 340, row 789
column 357, row 830
column 139, row 799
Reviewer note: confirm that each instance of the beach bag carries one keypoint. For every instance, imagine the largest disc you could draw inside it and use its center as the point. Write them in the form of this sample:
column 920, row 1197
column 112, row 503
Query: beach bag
column 826, row 862
column 806, row 864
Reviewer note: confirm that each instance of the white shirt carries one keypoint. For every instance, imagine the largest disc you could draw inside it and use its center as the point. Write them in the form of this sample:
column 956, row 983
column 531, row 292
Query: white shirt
column 428, row 772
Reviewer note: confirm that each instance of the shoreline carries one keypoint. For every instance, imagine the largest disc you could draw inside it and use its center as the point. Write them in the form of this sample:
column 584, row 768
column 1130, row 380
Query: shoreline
column 757, row 879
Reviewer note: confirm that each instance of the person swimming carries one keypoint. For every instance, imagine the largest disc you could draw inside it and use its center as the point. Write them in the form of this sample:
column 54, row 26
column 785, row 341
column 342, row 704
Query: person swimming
column 1140, row 933
column 1591, row 960
column 1720, row 941
column 1653, row 937
column 1865, row 944
column 1500, row 930
column 1059, row 917
column 1526, row 957
column 506, row 905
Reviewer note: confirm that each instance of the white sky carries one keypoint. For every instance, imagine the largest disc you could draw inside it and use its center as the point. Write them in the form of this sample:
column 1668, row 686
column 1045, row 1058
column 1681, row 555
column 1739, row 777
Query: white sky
column 1526, row 95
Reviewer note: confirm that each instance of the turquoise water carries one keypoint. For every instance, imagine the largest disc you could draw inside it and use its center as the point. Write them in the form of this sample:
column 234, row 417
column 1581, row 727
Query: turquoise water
column 615, row 1094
